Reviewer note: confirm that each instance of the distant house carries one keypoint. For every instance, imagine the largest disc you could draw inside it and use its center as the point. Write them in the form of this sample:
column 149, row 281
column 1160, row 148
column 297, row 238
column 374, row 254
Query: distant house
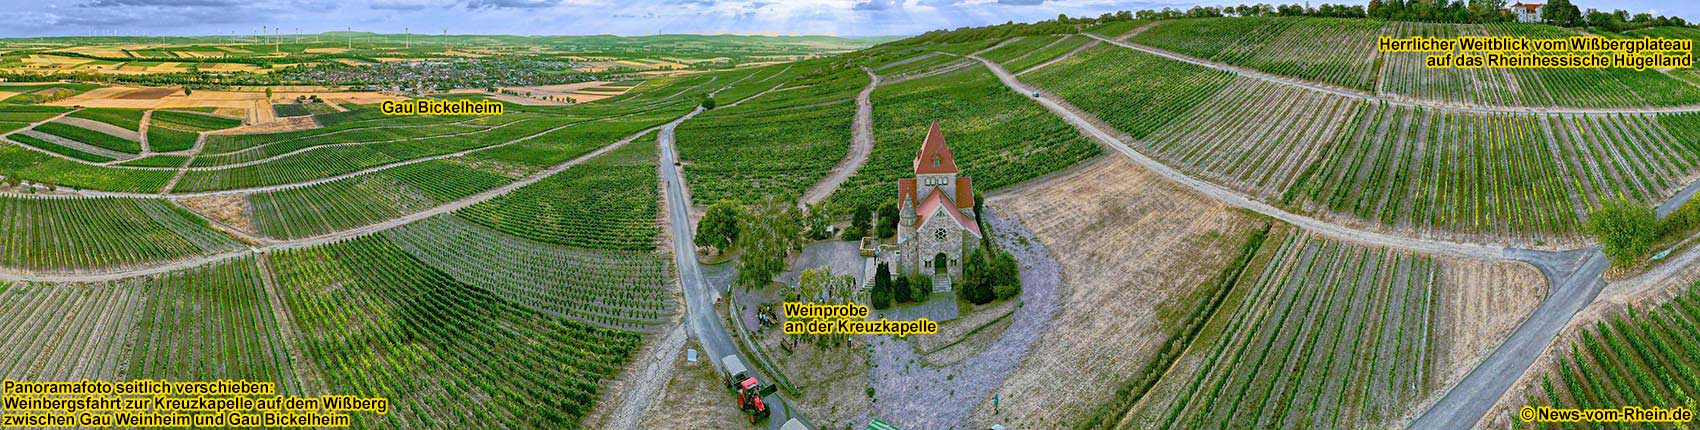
column 1530, row 12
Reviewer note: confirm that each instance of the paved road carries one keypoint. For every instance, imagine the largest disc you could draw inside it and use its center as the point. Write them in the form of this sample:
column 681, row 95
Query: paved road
column 861, row 144
column 1574, row 277
column 705, row 324
column 1251, row 73
column 1467, row 402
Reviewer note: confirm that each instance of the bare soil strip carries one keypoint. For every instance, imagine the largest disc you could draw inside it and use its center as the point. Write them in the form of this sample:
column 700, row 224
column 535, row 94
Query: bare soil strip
column 861, row 144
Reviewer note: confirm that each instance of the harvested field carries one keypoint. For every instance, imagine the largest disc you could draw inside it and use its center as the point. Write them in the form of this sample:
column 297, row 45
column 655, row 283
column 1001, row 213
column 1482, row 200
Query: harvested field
column 148, row 93
column 231, row 210
column 1138, row 248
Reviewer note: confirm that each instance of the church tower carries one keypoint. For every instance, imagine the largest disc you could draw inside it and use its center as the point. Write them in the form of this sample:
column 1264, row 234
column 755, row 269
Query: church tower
column 936, row 225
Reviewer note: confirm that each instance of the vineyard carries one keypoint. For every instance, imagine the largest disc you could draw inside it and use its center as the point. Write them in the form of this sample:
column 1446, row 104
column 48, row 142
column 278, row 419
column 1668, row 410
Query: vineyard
column 1056, row 49
column 1004, row 139
column 59, row 149
column 1526, row 177
column 366, row 199
column 616, row 289
column 1647, row 356
column 378, row 322
column 778, row 144
column 1323, row 334
column 47, row 169
column 128, row 119
column 177, row 131
column 89, row 137
column 1134, row 92
column 70, row 234
column 1333, row 51
column 608, row 202
column 202, row 324
column 336, row 160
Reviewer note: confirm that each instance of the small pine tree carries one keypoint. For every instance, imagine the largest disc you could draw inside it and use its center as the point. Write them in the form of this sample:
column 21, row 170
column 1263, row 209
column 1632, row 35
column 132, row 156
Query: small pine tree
column 900, row 292
column 881, row 293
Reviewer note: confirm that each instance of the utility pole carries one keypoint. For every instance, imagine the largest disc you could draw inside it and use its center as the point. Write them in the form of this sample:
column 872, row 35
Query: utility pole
column 350, row 38
column 409, row 32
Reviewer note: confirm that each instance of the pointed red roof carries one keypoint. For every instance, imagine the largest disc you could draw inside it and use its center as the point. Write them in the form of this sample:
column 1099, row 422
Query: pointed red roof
column 934, row 156
column 937, row 201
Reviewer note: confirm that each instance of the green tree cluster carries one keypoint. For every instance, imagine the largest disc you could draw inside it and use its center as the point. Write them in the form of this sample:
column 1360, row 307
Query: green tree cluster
column 719, row 226
column 989, row 276
column 768, row 232
column 1626, row 229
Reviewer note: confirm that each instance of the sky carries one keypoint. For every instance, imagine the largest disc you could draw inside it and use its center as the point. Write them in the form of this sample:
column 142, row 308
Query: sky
column 851, row 18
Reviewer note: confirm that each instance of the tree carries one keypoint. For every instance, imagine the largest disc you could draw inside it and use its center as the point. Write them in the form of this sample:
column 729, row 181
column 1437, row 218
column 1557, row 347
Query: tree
column 976, row 285
column 920, row 286
column 767, row 233
column 900, row 292
column 1625, row 228
column 858, row 222
column 819, row 286
column 887, row 220
column 1561, row 13
column 880, row 295
column 268, row 93
column 1005, row 276
column 708, row 103
column 719, row 226
column 187, row 91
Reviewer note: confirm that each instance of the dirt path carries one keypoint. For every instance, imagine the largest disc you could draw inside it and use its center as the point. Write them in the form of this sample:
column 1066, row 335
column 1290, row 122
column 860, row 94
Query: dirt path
column 142, row 132
column 1082, row 47
column 650, row 381
column 1402, row 101
column 1140, row 29
column 861, row 145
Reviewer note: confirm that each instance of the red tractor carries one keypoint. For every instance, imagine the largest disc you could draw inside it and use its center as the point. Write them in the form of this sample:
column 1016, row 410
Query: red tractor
column 750, row 402
column 748, row 389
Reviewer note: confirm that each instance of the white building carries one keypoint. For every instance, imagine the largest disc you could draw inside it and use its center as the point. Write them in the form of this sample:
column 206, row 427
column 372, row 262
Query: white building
column 1526, row 12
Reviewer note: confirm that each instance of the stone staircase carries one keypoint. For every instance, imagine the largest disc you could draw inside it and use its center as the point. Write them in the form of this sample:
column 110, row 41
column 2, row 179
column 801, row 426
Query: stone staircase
column 941, row 283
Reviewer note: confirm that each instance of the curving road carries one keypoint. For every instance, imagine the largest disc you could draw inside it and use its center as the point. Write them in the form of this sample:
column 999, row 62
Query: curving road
column 1574, row 276
column 1344, row 92
column 705, row 324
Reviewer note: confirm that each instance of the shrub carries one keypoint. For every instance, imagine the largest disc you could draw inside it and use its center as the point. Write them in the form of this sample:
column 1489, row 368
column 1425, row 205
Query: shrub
column 887, row 220
column 920, row 285
column 1681, row 221
column 1004, row 292
column 1626, row 229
